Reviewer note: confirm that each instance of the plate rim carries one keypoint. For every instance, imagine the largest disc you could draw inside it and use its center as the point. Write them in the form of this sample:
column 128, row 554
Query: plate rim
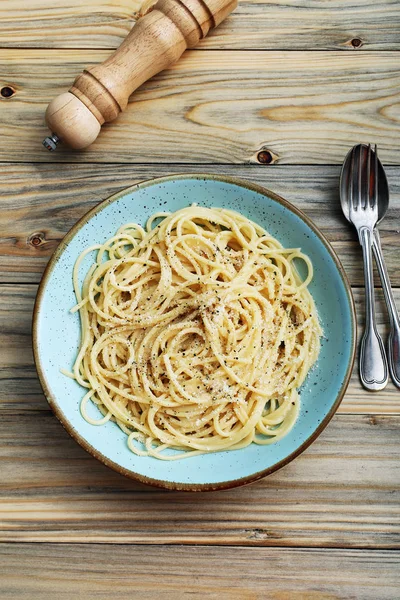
column 160, row 483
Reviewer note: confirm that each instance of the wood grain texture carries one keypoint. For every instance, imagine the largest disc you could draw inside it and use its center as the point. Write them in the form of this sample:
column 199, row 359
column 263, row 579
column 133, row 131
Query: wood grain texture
column 46, row 202
column 72, row 23
column 48, row 571
column 217, row 106
column 343, row 491
column 256, row 24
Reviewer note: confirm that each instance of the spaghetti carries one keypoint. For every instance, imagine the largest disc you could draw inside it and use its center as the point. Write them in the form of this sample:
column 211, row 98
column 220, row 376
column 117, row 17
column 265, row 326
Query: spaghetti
column 196, row 333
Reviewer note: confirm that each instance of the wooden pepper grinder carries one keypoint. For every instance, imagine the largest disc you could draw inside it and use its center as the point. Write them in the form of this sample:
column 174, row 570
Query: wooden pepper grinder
column 101, row 92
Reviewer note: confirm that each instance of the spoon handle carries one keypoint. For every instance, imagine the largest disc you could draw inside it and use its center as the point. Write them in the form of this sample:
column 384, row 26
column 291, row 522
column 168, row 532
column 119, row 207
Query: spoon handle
column 393, row 343
column 373, row 363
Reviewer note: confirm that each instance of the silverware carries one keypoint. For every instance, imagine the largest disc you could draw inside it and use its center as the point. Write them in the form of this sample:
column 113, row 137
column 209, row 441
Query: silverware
column 359, row 187
column 393, row 342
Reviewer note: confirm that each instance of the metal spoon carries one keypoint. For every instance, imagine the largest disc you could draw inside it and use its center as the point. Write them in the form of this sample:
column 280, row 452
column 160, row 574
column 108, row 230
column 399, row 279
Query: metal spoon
column 393, row 342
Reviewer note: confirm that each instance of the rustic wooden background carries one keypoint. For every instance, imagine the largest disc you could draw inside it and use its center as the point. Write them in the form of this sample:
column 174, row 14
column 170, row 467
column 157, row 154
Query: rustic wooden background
column 277, row 95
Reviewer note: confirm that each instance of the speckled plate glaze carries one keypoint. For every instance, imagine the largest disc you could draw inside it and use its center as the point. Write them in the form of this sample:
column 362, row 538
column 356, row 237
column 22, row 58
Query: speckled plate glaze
column 56, row 331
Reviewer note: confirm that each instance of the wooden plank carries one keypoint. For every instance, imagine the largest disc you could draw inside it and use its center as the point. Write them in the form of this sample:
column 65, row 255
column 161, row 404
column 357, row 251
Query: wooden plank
column 342, row 492
column 70, row 24
column 310, row 25
column 20, row 389
column 32, row 571
column 217, row 106
column 46, row 200
column 256, row 24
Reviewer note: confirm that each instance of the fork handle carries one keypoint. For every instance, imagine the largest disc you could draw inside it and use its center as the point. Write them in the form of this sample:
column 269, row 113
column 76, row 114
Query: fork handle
column 373, row 363
column 393, row 343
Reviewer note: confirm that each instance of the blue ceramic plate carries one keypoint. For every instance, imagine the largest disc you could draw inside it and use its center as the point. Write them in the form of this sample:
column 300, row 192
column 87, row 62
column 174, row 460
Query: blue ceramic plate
column 57, row 331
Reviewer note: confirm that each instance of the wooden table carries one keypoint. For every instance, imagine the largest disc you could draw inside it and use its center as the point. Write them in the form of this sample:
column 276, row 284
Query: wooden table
column 277, row 96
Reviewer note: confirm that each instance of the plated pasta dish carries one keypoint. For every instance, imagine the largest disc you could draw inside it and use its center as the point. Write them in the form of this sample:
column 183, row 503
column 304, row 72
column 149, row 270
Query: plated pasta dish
column 197, row 332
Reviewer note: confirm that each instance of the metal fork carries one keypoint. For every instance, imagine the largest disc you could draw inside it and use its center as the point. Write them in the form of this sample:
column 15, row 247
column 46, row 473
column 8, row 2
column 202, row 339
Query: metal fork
column 363, row 213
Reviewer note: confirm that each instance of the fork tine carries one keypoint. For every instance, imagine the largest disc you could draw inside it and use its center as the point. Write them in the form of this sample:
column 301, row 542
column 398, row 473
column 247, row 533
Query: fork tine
column 359, row 198
column 375, row 195
column 350, row 186
column 368, row 197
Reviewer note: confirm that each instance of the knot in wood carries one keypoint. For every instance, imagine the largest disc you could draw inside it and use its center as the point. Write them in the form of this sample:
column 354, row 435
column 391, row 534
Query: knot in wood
column 265, row 157
column 356, row 43
column 36, row 239
column 7, row 91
